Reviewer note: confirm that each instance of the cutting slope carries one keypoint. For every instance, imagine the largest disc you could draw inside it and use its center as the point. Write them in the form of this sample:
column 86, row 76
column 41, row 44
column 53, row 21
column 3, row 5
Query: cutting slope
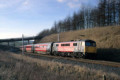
column 107, row 39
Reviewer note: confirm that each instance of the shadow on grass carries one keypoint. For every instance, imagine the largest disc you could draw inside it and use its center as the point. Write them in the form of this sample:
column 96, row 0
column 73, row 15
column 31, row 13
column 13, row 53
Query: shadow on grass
column 108, row 55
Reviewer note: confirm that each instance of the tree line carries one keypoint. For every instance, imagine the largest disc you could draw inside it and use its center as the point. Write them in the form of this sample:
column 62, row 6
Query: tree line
column 107, row 13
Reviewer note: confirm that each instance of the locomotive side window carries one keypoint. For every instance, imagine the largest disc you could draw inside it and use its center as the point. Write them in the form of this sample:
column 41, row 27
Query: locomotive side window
column 65, row 44
column 62, row 44
column 74, row 44
column 57, row 44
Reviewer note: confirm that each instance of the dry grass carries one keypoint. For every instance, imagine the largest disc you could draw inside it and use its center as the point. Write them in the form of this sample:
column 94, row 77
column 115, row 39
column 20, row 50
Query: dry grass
column 106, row 37
column 21, row 67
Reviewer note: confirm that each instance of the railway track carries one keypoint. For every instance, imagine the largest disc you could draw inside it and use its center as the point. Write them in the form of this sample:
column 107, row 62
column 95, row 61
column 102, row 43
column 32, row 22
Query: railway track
column 105, row 66
column 89, row 61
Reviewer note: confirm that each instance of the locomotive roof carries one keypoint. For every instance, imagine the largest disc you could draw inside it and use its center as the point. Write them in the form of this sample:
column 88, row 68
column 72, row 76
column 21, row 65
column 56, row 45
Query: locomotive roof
column 77, row 41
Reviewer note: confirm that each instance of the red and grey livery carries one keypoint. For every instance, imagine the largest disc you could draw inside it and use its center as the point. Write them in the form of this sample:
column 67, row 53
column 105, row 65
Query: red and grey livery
column 79, row 49
column 75, row 48
column 45, row 48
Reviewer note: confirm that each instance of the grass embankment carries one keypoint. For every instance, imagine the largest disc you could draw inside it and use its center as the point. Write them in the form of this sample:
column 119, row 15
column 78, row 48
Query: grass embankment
column 20, row 67
column 107, row 39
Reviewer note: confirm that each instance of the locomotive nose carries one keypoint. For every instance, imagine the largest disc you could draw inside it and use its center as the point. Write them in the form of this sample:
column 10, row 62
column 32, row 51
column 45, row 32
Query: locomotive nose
column 90, row 49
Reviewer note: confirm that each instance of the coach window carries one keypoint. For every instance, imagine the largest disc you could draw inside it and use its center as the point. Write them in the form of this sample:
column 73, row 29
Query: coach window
column 74, row 44
column 37, row 46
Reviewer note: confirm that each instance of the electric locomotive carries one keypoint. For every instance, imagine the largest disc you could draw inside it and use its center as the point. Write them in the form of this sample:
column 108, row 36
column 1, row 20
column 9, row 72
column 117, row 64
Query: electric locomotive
column 79, row 49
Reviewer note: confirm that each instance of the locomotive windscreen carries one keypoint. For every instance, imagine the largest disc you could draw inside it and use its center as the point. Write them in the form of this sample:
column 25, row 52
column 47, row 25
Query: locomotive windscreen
column 90, row 43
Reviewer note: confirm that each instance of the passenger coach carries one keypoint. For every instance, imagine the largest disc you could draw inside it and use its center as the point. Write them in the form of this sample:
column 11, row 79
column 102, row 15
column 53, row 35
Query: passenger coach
column 45, row 48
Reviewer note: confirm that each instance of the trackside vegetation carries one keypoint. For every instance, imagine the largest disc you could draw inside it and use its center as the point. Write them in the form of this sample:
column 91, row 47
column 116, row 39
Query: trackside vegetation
column 20, row 67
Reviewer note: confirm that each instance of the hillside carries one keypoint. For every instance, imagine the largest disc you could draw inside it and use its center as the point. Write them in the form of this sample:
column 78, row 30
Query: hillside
column 105, row 37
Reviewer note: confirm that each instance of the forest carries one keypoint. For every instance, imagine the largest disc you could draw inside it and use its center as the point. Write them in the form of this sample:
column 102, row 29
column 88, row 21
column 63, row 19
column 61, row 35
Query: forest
column 106, row 13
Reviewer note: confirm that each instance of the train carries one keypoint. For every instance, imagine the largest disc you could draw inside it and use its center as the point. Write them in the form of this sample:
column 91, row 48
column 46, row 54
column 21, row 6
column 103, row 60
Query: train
column 78, row 49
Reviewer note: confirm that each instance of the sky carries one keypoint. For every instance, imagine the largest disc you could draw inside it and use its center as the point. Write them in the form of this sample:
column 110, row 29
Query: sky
column 29, row 17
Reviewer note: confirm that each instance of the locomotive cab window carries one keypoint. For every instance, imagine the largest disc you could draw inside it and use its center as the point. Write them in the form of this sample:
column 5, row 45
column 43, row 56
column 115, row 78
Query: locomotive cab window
column 90, row 43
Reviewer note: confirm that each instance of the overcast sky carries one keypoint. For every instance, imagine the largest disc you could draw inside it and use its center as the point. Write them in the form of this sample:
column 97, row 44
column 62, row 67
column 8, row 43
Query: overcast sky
column 29, row 17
